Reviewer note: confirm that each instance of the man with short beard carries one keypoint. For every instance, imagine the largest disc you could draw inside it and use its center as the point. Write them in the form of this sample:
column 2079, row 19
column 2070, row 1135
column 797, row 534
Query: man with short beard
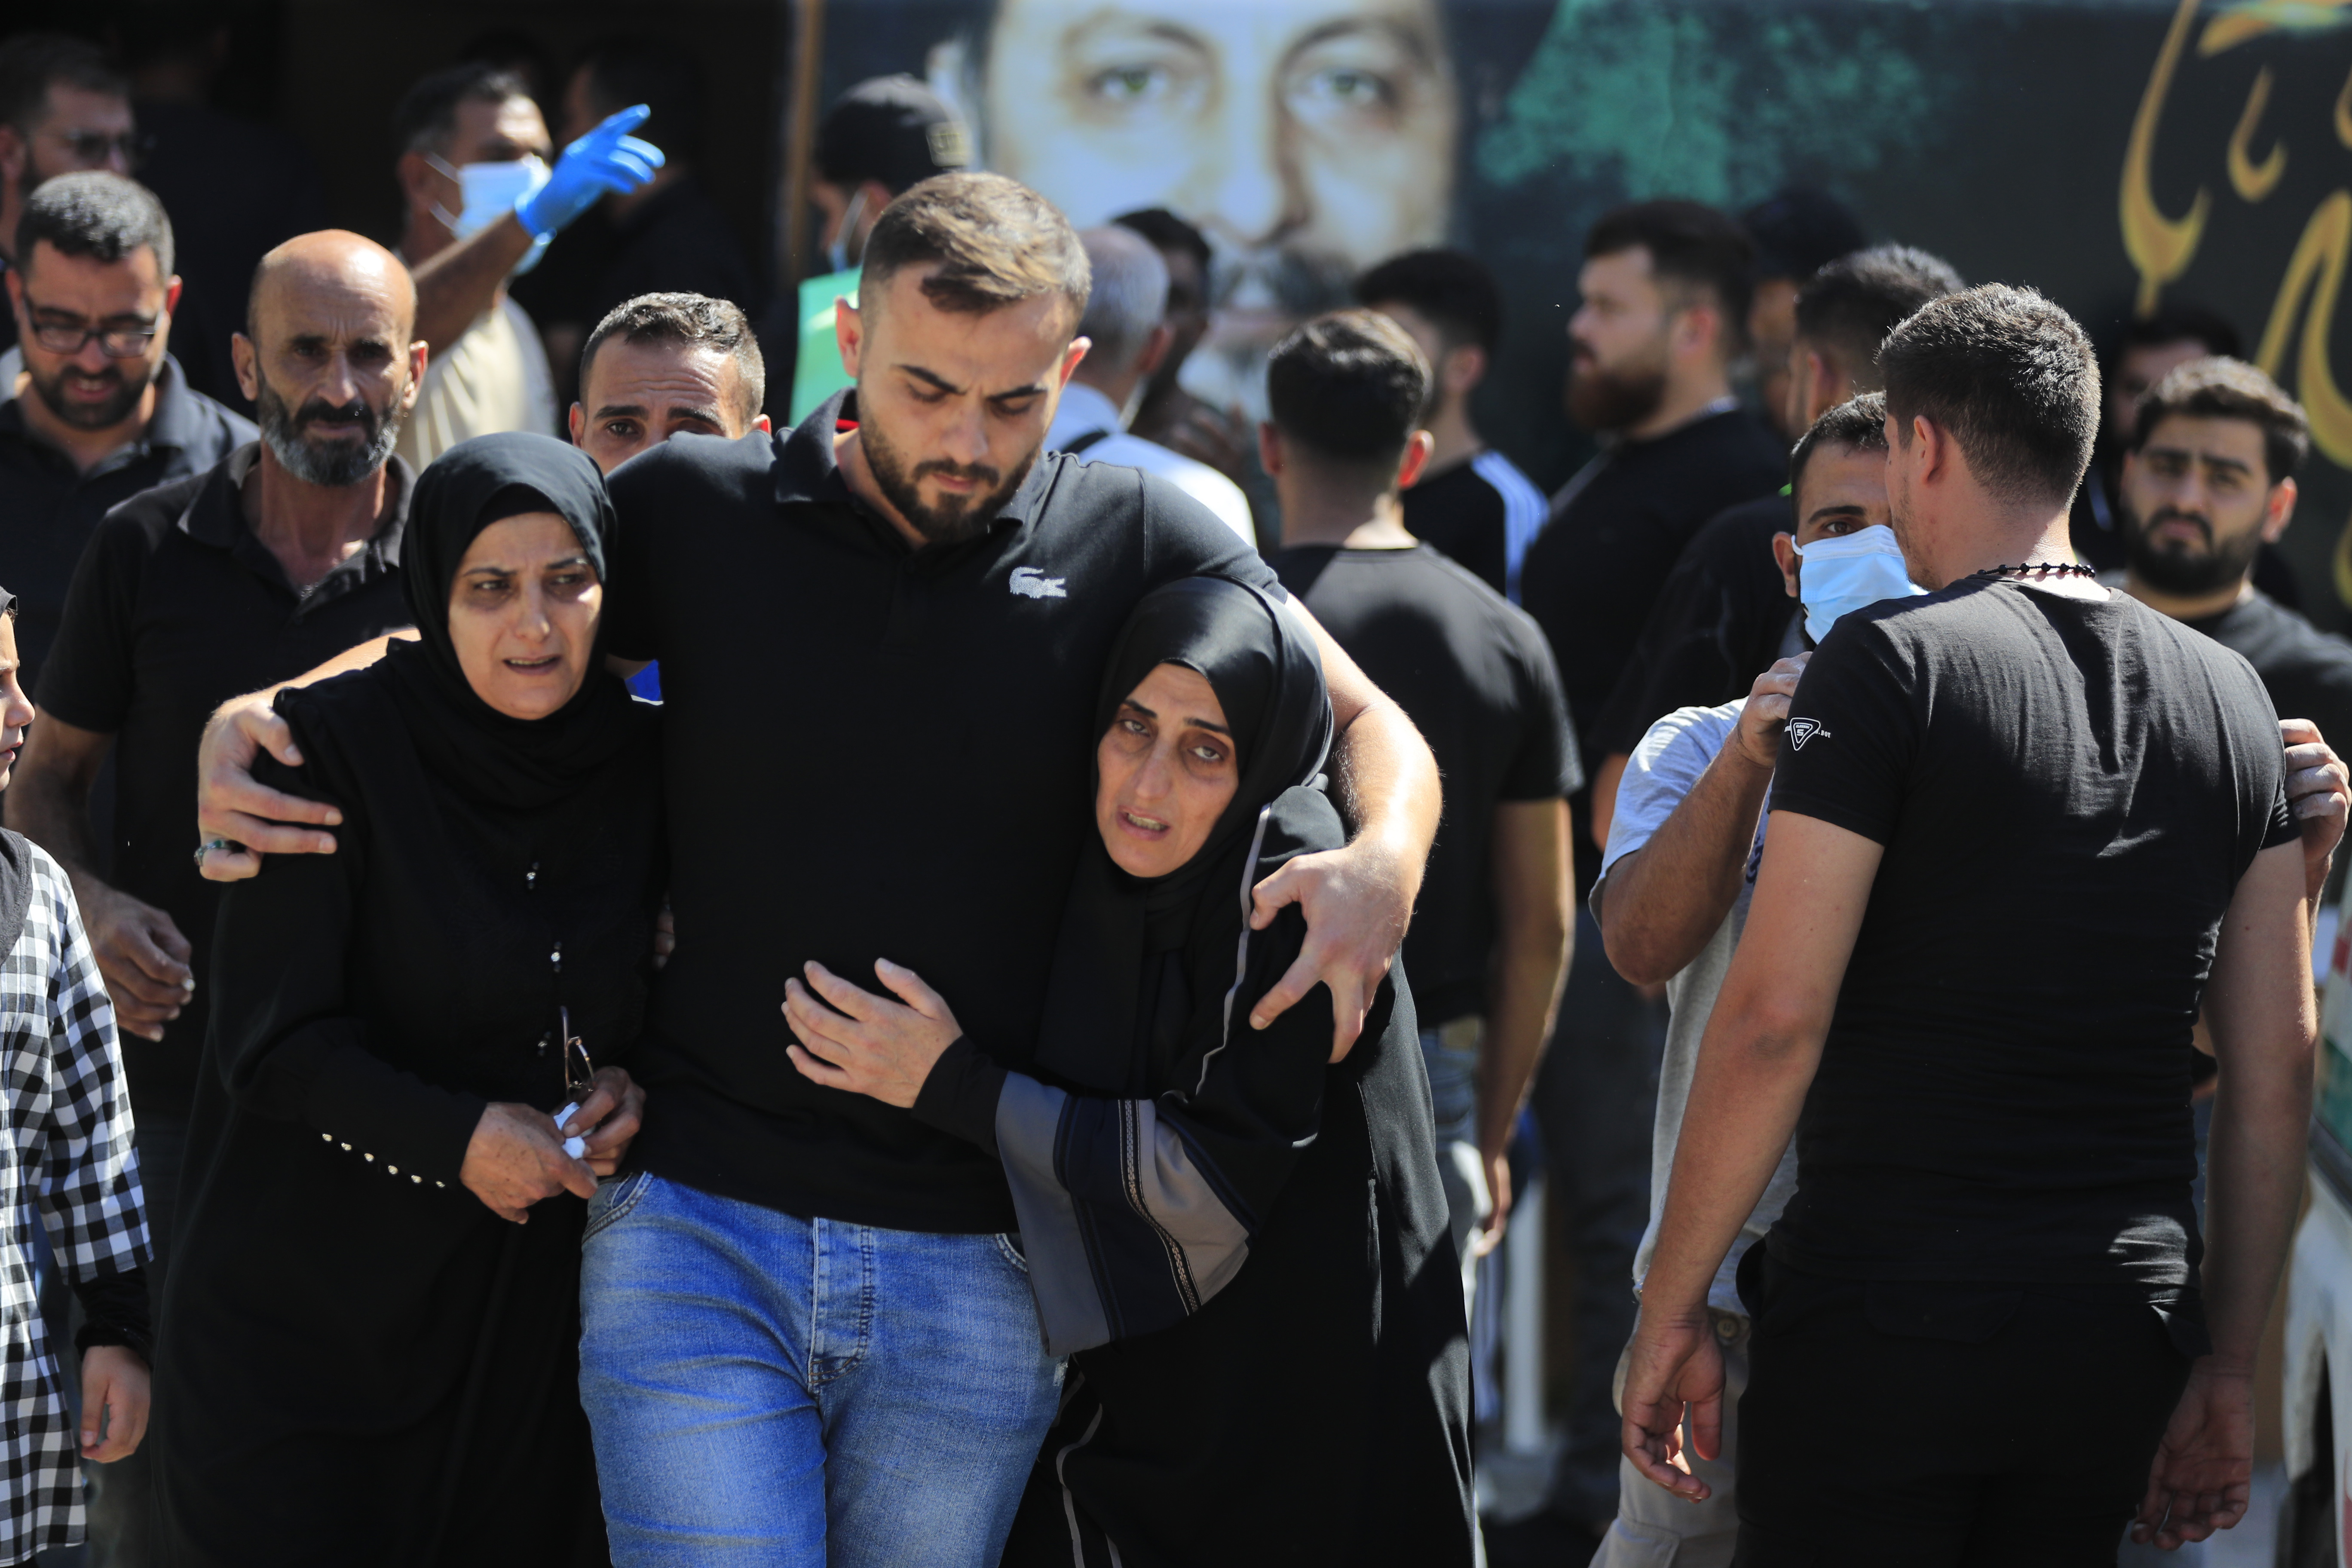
column 104, row 412
column 2207, row 480
column 1665, row 294
column 283, row 553
column 882, row 635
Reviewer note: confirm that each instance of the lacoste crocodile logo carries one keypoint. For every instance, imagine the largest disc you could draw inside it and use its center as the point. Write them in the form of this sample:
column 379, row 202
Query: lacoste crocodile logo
column 1031, row 583
column 1803, row 730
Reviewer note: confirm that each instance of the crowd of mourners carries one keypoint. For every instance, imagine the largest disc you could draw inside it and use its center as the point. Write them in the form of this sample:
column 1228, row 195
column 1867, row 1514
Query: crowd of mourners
column 950, row 956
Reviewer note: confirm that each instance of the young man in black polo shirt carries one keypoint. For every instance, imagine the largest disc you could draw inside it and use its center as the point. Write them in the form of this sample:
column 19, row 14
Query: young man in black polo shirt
column 1489, row 941
column 2022, row 829
column 105, row 412
column 881, row 636
column 1470, row 501
column 285, row 553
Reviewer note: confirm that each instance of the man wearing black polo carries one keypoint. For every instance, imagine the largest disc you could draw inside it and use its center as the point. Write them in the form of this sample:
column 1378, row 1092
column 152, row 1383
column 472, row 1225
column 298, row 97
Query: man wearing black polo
column 105, row 412
column 881, row 634
column 285, row 553
column 2022, row 830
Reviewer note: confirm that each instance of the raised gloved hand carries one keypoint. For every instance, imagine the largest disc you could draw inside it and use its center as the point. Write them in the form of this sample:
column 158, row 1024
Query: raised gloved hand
column 608, row 159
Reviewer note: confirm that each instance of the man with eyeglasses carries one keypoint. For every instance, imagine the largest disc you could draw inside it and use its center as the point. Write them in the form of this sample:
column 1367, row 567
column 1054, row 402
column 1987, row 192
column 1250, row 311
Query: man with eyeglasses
column 62, row 109
column 101, row 411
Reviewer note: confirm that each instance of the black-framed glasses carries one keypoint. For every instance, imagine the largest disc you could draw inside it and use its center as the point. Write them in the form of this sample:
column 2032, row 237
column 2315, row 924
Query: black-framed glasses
column 579, row 1072
column 67, row 337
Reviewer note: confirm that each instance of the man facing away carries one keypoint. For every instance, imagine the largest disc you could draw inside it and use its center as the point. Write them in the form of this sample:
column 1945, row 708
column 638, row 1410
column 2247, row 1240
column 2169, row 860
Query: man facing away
column 1674, row 894
column 1124, row 323
column 2022, row 829
column 63, row 108
column 1489, row 941
column 844, row 612
column 283, row 553
column 1470, row 501
column 1726, row 614
column 101, row 411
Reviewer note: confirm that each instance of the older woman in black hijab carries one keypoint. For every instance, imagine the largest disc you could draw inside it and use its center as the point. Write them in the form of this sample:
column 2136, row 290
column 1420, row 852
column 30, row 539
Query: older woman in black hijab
column 1243, row 1249
column 367, row 1355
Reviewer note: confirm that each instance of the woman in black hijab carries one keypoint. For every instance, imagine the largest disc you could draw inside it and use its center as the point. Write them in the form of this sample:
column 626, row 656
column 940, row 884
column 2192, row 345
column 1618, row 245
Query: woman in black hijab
column 1243, row 1249
column 367, row 1356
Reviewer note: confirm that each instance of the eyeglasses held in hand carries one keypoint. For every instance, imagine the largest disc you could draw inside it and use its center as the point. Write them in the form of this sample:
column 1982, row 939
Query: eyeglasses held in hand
column 579, row 1083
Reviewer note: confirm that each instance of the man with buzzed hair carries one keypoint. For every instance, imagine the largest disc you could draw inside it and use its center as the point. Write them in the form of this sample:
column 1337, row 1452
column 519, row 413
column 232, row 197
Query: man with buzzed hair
column 666, row 365
column 883, row 634
column 661, row 365
column 283, row 553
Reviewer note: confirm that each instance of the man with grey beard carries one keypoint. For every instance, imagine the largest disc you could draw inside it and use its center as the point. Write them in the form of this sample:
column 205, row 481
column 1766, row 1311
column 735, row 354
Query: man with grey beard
column 284, row 553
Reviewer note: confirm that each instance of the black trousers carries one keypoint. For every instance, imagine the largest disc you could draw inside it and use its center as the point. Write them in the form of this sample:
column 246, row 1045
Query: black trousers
column 1944, row 1425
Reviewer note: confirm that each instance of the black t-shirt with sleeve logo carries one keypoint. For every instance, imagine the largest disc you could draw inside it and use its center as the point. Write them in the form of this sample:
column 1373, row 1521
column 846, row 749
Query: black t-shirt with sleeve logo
column 2067, row 793
column 1475, row 675
column 869, row 752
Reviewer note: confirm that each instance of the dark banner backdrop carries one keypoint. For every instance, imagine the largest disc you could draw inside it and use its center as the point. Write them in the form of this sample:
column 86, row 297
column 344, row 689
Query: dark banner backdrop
column 2112, row 154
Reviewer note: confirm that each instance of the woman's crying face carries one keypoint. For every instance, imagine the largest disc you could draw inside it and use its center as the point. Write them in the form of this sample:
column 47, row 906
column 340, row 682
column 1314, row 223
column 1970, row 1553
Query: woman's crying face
column 1168, row 771
column 522, row 615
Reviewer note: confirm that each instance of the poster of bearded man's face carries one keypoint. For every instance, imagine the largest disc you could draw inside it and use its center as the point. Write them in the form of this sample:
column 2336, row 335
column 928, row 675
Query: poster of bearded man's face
column 1308, row 139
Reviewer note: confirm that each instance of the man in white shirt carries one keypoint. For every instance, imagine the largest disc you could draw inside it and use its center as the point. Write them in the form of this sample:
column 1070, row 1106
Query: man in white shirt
column 1124, row 323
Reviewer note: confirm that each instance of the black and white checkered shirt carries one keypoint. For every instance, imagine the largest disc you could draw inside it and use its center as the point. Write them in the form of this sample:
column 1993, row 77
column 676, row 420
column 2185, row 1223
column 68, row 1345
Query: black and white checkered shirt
column 66, row 1162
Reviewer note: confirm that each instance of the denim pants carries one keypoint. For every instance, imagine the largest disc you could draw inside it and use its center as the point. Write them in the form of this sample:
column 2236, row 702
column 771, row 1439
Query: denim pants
column 771, row 1390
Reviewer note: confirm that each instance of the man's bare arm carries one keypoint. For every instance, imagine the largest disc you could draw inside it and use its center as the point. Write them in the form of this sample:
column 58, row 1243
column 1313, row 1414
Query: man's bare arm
column 1663, row 903
column 1358, row 901
column 2265, row 1021
column 1762, row 1046
column 1533, row 887
column 231, row 806
column 1605, row 779
column 2316, row 791
column 140, row 951
column 457, row 286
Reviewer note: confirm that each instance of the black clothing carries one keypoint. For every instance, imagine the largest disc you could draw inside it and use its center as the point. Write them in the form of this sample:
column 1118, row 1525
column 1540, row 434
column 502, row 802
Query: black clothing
column 2307, row 672
column 1476, row 676
column 1613, row 539
column 1719, row 622
column 15, row 866
column 48, row 509
column 346, row 1322
column 830, row 762
column 1462, row 514
column 2028, row 1420
column 235, row 192
column 176, row 608
column 2048, row 775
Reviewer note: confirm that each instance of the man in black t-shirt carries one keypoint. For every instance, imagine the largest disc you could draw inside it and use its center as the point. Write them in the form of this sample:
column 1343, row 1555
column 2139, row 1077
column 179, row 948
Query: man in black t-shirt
column 2207, row 481
column 1470, row 501
column 1489, row 939
column 2022, row 829
column 882, row 635
column 1723, row 613
column 283, row 553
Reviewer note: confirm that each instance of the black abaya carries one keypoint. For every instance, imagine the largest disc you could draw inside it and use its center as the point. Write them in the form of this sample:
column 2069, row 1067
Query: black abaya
column 359, row 1361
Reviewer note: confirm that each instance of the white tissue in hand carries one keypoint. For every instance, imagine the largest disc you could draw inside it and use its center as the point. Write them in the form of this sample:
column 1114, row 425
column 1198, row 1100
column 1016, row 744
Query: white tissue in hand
column 575, row 1147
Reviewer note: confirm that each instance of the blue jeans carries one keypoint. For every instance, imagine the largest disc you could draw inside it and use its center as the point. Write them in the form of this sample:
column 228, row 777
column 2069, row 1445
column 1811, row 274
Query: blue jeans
column 771, row 1390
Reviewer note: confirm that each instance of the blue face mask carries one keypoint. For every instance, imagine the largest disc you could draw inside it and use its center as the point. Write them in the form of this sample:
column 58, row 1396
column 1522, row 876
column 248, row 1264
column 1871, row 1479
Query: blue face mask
column 1850, row 572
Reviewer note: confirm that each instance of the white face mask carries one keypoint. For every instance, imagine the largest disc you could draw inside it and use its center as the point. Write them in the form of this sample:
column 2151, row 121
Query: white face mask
column 491, row 191
column 1851, row 571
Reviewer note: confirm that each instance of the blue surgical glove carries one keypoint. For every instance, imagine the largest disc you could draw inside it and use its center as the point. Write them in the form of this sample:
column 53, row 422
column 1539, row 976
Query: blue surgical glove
column 608, row 159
